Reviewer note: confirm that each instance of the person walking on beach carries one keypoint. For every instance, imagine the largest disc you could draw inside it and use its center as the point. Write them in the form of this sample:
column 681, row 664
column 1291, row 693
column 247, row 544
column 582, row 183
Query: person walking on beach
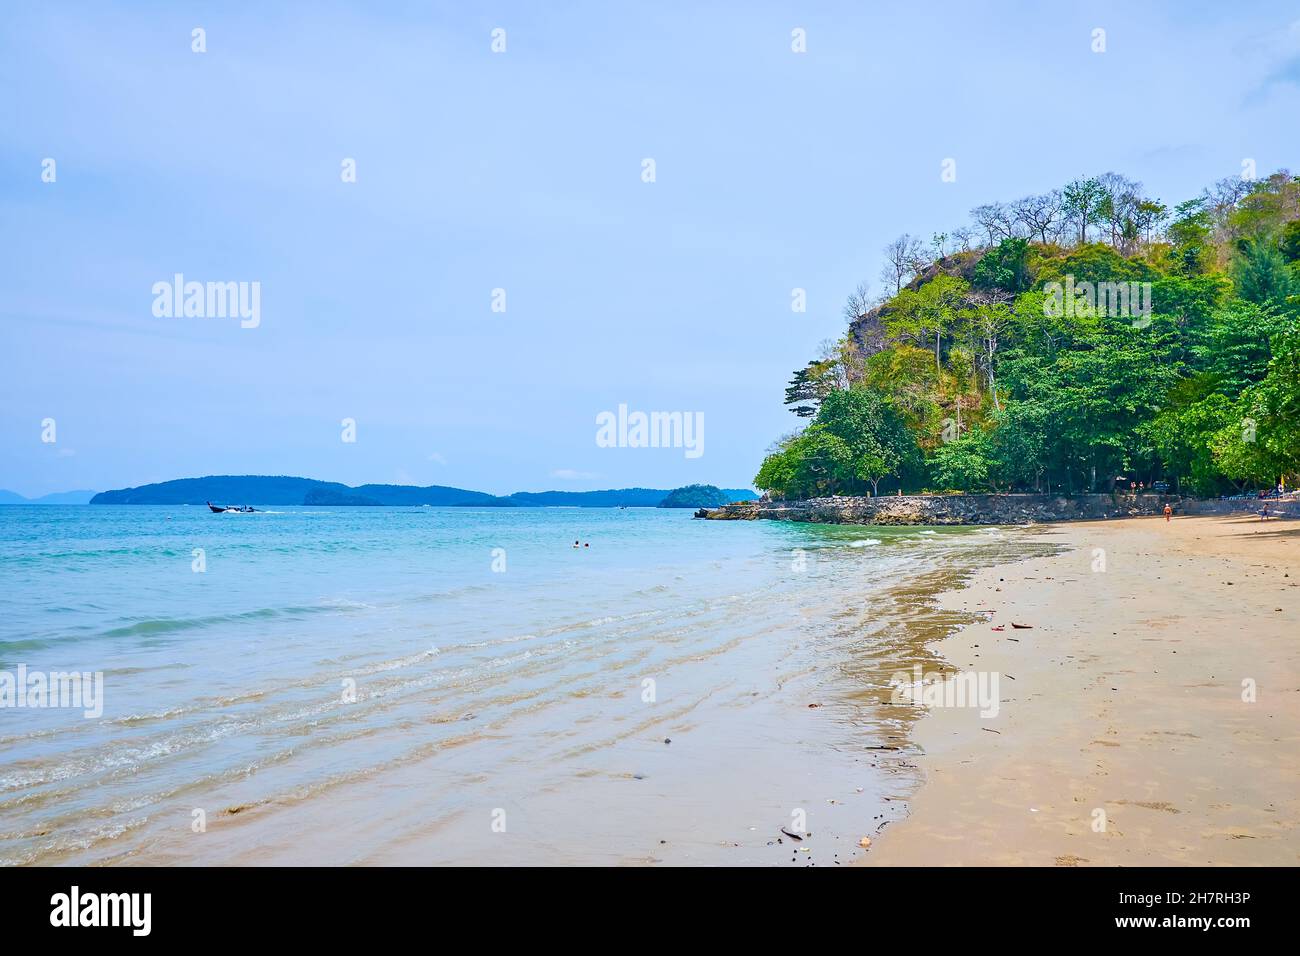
column 1263, row 515
column 1169, row 510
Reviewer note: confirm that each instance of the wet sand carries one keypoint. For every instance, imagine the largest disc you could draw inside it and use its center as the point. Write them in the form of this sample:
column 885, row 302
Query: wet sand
column 1122, row 736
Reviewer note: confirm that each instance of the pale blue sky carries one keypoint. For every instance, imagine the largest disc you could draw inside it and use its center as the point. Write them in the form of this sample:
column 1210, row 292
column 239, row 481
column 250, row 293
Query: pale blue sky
column 522, row 170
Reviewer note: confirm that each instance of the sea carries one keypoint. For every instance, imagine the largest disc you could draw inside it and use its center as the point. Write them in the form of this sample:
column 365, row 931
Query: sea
column 497, row 686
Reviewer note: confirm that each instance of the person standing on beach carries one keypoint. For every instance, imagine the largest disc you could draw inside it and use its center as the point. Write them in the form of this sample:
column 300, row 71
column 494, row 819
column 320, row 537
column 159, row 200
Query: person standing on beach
column 1169, row 510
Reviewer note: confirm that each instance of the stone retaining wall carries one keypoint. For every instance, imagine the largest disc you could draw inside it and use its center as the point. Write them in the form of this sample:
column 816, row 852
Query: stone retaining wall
column 984, row 509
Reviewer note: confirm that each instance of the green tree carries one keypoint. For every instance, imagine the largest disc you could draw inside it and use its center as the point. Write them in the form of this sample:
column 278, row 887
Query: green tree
column 1289, row 242
column 1276, row 400
column 813, row 464
column 929, row 310
column 806, row 390
column 1192, row 251
column 1260, row 272
column 965, row 463
column 872, row 430
column 1005, row 267
column 1082, row 200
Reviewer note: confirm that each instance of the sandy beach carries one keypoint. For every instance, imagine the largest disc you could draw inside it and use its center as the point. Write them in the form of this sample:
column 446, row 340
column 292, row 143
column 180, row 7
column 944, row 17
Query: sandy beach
column 1122, row 736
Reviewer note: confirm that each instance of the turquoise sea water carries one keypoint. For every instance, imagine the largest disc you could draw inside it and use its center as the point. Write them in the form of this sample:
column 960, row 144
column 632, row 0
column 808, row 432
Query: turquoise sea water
column 428, row 685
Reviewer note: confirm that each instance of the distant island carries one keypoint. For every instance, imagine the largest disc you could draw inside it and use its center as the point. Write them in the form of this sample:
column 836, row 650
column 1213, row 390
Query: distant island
column 699, row 496
column 284, row 490
column 57, row 498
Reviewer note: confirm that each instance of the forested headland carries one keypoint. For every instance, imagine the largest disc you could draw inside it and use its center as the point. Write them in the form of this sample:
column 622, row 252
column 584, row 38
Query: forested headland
column 1066, row 342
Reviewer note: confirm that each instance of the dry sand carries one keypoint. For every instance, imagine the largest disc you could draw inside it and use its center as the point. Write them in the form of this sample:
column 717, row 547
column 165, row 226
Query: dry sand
column 1123, row 705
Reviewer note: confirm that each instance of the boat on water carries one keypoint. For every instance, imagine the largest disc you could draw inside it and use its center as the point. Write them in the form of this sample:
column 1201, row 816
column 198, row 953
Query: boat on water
column 233, row 509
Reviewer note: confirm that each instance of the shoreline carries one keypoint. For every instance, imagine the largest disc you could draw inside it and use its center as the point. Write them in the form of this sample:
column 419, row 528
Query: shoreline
column 767, row 651
column 991, row 509
column 1122, row 736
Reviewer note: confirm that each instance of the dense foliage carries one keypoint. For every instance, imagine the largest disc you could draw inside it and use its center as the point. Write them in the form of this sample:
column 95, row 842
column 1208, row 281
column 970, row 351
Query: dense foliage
column 1089, row 336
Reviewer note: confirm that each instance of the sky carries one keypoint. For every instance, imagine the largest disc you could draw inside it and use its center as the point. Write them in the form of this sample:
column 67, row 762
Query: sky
column 524, row 170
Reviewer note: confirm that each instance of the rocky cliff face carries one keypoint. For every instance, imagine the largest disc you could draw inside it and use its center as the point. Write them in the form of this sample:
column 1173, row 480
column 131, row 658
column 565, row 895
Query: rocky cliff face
column 981, row 509
column 869, row 329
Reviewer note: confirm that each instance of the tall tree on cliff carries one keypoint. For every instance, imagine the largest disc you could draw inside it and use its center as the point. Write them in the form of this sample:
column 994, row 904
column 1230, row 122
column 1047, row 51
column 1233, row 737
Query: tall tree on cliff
column 1041, row 214
column 904, row 258
column 805, row 391
column 1083, row 199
